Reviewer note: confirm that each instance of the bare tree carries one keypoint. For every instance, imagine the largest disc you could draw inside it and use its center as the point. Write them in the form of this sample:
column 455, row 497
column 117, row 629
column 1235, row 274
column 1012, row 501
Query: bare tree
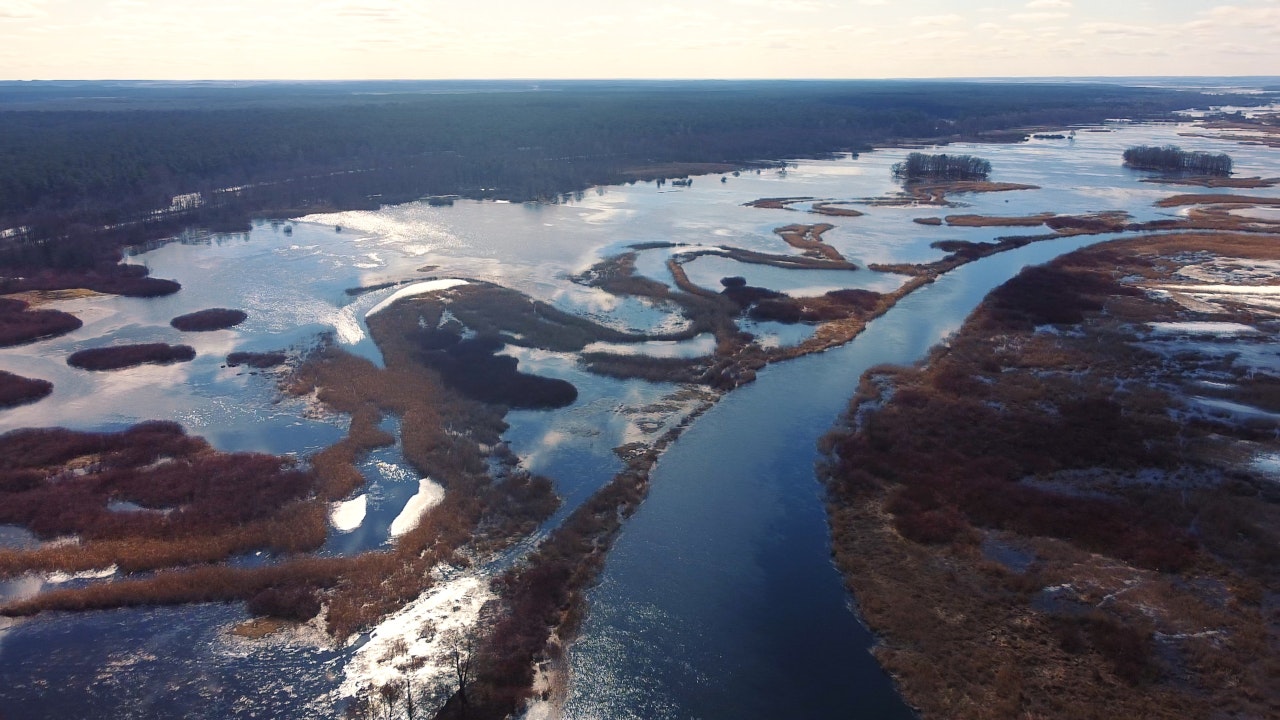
column 460, row 647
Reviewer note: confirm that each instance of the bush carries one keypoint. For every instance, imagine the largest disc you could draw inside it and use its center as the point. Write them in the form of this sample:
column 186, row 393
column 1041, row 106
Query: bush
column 211, row 319
column 17, row 390
column 124, row 356
column 19, row 325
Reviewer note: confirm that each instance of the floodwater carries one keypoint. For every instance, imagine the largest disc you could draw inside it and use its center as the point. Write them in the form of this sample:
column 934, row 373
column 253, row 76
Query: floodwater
column 719, row 599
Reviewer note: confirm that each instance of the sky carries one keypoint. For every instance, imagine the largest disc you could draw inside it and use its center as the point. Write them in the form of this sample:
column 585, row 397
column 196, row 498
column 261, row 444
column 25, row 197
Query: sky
column 471, row 39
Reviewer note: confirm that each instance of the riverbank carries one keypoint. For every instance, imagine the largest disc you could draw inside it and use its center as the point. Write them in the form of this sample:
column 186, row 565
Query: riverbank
column 1047, row 519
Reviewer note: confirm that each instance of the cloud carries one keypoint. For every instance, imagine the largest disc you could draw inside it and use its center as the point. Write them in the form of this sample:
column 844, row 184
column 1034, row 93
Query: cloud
column 935, row 20
column 1110, row 28
column 21, row 10
column 1049, row 4
column 1038, row 16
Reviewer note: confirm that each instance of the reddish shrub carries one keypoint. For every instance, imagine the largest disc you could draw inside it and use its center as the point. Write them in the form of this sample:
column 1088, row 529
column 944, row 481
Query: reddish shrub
column 123, row 356
column 211, row 319
column 16, row 390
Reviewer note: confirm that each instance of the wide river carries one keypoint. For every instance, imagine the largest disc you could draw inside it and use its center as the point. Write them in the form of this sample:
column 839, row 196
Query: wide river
column 719, row 599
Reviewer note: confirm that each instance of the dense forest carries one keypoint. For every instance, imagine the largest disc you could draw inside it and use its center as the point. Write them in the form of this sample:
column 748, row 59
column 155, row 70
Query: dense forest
column 85, row 168
column 1171, row 158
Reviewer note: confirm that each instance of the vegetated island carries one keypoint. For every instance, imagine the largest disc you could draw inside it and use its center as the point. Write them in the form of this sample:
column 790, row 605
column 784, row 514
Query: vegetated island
column 19, row 324
column 920, row 167
column 16, row 390
column 117, row 357
column 1065, row 513
column 258, row 360
column 1171, row 158
column 208, row 320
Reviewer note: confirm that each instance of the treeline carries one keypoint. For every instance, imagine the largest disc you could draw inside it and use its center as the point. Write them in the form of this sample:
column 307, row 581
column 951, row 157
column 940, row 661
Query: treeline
column 919, row 166
column 1171, row 158
column 85, row 178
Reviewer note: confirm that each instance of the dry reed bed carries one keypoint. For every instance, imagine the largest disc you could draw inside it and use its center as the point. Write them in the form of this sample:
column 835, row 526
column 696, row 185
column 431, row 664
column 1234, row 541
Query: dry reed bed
column 1135, row 599
column 119, row 357
column 17, row 390
column 808, row 238
column 20, row 325
column 209, row 319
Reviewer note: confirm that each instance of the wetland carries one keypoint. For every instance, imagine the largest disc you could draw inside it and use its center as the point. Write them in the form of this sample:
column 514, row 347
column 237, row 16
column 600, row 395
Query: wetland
column 548, row 437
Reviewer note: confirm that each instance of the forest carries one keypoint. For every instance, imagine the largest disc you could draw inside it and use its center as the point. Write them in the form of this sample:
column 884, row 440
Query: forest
column 919, row 166
column 1171, row 158
column 81, row 176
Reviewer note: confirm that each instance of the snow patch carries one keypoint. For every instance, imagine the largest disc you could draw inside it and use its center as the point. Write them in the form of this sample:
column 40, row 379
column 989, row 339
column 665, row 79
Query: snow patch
column 421, row 288
column 415, row 643
column 1198, row 328
column 349, row 515
column 428, row 496
column 58, row 577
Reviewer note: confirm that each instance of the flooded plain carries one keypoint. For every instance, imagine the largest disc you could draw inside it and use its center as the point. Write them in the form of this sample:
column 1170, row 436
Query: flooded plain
column 719, row 599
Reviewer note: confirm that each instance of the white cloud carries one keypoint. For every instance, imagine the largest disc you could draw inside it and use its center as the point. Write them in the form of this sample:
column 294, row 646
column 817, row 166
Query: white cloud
column 21, row 9
column 1049, row 4
column 1037, row 16
column 934, row 20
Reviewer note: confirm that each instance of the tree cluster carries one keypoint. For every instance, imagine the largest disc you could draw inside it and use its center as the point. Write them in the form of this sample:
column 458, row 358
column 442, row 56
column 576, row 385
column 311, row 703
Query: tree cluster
column 1171, row 158
column 919, row 166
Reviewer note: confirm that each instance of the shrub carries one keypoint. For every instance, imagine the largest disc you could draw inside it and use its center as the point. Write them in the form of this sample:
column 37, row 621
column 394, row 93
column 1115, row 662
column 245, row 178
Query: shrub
column 17, row 390
column 124, row 356
column 211, row 319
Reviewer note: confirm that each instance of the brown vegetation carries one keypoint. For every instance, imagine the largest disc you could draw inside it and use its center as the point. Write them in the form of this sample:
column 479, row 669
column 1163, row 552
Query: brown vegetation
column 1203, row 199
column 935, row 193
column 1211, row 181
column 809, row 239
column 19, row 324
column 259, row 360
column 933, row 221
column 997, row 221
column 118, row 357
column 207, row 320
column 16, row 390
column 835, row 209
column 196, row 505
column 991, row 520
column 779, row 203
column 111, row 279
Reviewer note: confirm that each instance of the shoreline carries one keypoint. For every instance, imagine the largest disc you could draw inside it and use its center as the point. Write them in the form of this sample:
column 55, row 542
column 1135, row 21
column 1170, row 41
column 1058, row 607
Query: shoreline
column 1042, row 604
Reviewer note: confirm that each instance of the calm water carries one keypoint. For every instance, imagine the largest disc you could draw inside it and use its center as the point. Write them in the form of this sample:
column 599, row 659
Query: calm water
column 719, row 599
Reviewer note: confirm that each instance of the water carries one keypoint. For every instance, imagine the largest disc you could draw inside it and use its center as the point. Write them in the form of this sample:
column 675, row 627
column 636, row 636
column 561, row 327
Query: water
column 719, row 600
column 758, row 624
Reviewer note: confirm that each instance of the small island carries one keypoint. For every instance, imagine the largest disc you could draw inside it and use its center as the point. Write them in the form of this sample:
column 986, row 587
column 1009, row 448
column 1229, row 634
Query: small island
column 119, row 357
column 1171, row 158
column 16, row 390
column 207, row 320
column 20, row 325
column 918, row 167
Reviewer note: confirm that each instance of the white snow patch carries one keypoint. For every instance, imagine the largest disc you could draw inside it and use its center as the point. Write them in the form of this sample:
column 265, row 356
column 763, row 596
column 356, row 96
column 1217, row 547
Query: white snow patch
column 417, row 634
column 346, row 326
column 421, row 288
column 349, row 515
column 1198, row 328
column 1224, row 289
column 57, row 577
column 428, row 496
